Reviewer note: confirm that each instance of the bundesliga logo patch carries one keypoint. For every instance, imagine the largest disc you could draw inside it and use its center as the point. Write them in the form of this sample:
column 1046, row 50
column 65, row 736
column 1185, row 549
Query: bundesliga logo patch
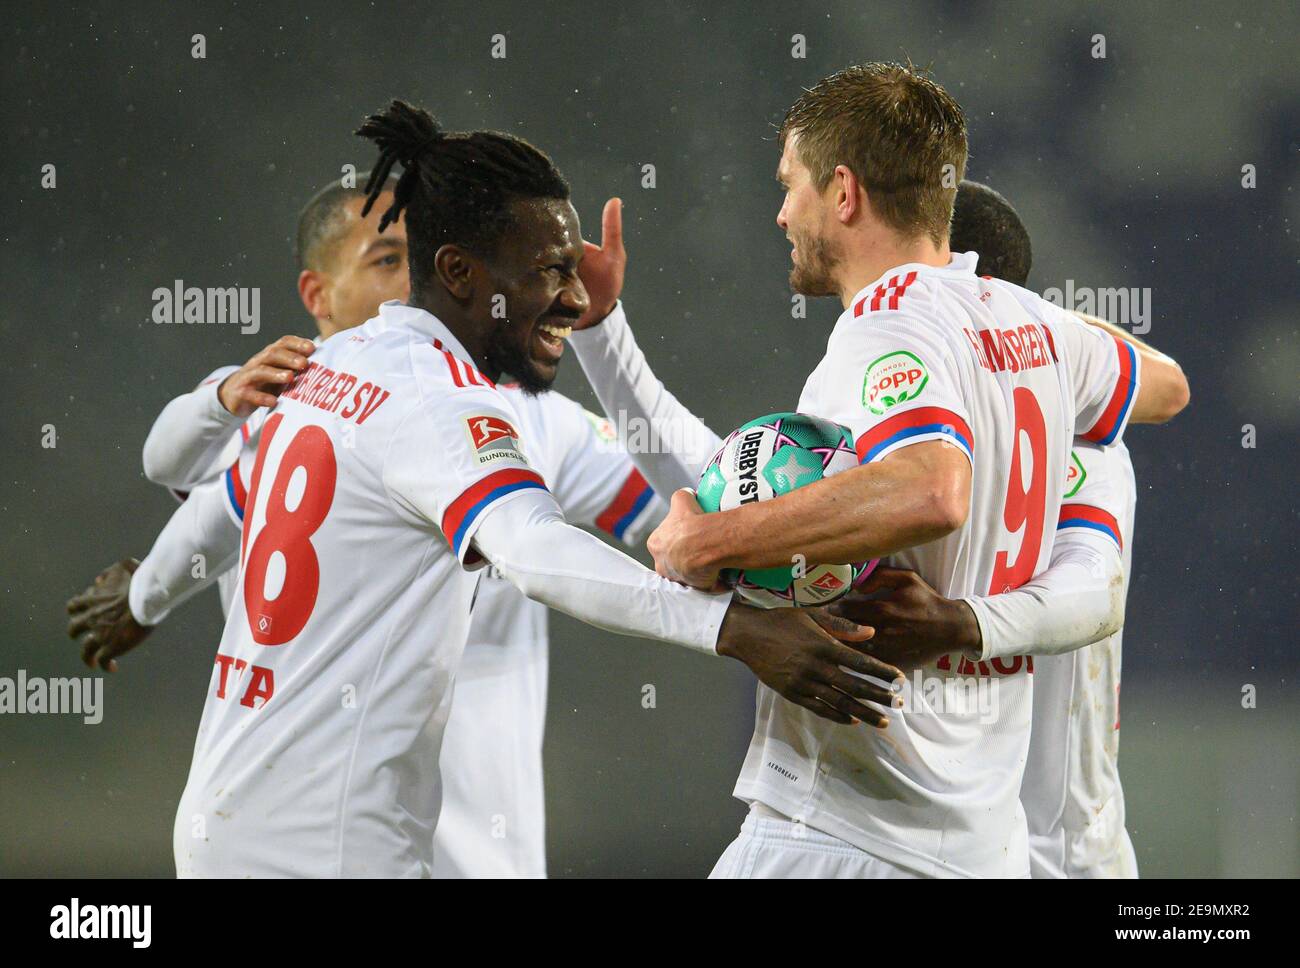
column 604, row 429
column 493, row 439
column 828, row 583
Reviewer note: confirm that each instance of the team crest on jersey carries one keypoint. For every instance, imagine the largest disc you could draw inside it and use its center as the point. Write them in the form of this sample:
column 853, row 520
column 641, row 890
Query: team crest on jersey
column 604, row 429
column 493, row 439
column 1075, row 475
column 893, row 379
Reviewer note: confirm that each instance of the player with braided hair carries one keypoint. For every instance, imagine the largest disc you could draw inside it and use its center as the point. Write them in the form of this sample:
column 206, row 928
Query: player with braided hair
column 389, row 472
column 492, row 821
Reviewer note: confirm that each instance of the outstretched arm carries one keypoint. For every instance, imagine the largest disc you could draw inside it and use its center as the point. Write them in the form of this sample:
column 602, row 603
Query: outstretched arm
column 915, row 495
column 190, row 433
column 118, row 611
column 1164, row 391
column 1076, row 601
column 560, row 566
column 669, row 445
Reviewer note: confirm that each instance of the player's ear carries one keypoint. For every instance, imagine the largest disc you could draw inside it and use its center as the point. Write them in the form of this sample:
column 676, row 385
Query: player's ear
column 847, row 198
column 455, row 270
column 314, row 293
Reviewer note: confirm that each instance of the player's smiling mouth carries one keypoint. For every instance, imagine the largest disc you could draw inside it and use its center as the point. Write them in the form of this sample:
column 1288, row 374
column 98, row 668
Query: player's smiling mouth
column 550, row 339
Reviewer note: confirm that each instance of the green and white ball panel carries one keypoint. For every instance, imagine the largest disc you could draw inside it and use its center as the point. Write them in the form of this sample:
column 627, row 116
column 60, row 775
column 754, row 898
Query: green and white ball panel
column 773, row 455
column 765, row 458
column 734, row 477
column 820, row 585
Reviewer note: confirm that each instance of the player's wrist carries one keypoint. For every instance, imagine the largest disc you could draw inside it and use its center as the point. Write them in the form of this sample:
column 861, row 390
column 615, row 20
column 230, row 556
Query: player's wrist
column 595, row 316
column 226, row 401
column 714, row 619
column 701, row 550
column 734, row 632
column 967, row 631
column 964, row 628
column 137, row 604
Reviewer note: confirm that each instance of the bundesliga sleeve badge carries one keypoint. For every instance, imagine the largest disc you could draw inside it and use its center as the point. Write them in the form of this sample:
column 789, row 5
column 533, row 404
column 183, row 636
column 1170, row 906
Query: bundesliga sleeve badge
column 493, row 438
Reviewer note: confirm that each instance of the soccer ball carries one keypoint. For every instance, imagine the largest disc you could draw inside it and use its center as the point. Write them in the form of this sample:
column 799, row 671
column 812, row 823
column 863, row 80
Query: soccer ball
column 768, row 457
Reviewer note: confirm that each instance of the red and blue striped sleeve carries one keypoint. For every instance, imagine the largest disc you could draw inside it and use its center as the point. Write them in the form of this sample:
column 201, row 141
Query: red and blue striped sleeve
column 234, row 478
column 1111, row 422
column 458, row 521
column 912, row 427
column 628, row 504
column 236, row 492
column 1091, row 517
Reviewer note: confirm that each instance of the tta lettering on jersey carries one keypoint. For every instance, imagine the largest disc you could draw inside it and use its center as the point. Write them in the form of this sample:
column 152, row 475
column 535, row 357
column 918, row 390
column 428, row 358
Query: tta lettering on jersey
column 317, row 754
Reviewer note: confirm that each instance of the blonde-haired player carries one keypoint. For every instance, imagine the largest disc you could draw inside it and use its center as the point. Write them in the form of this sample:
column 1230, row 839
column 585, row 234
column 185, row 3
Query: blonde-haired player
column 964, row 396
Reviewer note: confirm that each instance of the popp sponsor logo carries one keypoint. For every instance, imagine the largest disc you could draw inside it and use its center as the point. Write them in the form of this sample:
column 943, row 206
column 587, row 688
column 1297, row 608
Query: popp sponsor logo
column 893, row 379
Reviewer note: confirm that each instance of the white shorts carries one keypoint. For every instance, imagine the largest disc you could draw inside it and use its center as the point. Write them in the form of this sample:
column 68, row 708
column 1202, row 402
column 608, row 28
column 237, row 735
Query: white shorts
column 1048, row 860
column 772, row 847
column 1122, row 864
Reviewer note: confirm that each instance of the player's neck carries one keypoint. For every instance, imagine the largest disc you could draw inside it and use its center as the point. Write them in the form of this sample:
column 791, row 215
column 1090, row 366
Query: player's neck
column 467, row 332
column 877, row 256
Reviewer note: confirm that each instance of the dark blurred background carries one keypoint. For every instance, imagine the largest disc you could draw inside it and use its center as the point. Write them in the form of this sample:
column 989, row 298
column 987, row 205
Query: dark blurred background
column 1128, row 170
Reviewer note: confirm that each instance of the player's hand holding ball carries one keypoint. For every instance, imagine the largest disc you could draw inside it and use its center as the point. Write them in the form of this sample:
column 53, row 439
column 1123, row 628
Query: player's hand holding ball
column 763, row 459
column 666, row 544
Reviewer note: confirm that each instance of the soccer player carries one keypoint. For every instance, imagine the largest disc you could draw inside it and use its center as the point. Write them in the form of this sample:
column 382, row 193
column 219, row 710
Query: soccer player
column 1071, row 792
column 964, row 396
column 493, row 810
column 391, row 467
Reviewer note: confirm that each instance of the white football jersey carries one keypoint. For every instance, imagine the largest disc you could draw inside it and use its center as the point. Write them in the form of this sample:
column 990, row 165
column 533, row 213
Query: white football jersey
column 493, row 798
column 317, row 753
column 937, row 353
column 1071, row 790
column 245, row 436
column 492, row 821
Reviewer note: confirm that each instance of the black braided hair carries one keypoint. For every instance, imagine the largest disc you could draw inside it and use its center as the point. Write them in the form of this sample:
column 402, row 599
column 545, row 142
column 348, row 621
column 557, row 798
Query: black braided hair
column 456, row 187
column 983, row 221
